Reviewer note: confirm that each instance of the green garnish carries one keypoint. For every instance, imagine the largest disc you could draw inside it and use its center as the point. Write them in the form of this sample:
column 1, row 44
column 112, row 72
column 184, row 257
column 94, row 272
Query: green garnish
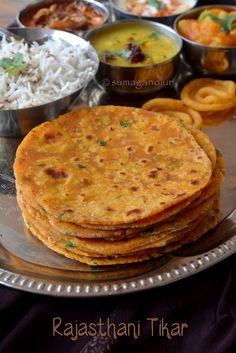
column 69, row 244
column 227, row 24
column 157, row 4
column 148, row 231
column 106, row 120
column 102, row 143
column 70, row 232
column 42, row 210
column 124, row 53
column 126, row 123
column 154, row 35
column 9, row 65
column 94, row 263
column 81, row 166
column 203, row 15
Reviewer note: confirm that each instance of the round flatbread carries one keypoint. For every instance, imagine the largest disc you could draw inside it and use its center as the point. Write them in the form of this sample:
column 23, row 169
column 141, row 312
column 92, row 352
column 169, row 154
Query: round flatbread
column 110, row 165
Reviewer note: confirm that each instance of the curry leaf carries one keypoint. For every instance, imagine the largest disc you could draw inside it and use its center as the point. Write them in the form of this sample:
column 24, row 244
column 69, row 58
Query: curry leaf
column 11, row 64
column 157, row 4
column 18, row 59
column 226, row 23
column 12, row 68
column 124, row 53
column 5, row 63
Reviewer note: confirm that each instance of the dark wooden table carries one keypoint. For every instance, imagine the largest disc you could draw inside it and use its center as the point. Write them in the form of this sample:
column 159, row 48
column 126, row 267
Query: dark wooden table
column 9, row 9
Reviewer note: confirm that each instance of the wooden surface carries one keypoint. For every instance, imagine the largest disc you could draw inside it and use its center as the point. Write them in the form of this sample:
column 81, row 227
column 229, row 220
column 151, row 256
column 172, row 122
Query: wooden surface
column 9, row 9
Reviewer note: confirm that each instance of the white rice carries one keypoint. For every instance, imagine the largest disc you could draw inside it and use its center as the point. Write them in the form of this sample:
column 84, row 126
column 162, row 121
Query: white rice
column 50, row 71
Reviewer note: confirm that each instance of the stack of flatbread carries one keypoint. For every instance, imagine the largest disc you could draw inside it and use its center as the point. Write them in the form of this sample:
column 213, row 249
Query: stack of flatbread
column 114, row 185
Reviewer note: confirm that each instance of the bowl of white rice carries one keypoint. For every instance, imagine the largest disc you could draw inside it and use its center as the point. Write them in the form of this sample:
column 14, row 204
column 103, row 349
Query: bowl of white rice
column 40, row 76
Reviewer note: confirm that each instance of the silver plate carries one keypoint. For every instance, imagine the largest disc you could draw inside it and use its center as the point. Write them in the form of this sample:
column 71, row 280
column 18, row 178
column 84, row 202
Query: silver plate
column 26, row 264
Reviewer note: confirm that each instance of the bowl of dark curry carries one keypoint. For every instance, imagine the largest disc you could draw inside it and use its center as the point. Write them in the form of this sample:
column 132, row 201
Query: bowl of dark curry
column 76, row 16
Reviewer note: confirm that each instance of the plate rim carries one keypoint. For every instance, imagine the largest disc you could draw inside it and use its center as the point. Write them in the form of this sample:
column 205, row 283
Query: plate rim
column 181, row 268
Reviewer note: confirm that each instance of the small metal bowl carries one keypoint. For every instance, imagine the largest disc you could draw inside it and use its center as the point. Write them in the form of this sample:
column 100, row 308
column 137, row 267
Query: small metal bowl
column 28, row 12
column 18, row 122
column 138, row 80
column 120, row 13
column 214, row 61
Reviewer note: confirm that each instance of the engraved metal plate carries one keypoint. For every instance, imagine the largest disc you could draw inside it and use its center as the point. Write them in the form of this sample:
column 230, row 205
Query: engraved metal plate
column 25, row 263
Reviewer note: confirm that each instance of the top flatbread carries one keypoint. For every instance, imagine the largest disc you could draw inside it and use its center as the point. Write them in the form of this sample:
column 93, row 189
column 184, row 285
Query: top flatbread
column 110, row 165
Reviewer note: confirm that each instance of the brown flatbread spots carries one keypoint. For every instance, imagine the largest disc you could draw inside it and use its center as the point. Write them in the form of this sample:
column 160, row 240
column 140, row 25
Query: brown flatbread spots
column 112, row 185
column 139, row 159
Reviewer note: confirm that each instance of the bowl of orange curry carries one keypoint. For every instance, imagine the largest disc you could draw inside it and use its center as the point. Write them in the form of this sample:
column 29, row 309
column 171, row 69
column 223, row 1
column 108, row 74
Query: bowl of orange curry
column 76, row 16
column 209, row 39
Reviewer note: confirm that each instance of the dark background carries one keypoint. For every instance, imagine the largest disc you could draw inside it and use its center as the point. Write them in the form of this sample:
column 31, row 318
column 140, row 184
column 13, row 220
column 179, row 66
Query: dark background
column 206, row 302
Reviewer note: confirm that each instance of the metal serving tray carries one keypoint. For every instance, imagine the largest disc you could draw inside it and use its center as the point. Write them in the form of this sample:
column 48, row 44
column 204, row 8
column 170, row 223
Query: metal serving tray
column 26, row 264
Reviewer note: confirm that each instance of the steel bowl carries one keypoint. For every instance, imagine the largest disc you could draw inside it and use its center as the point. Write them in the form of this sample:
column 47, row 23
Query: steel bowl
column 18, row 122
column 208, row 60
column 120, row 13
column 138, row 80
column 23, row 16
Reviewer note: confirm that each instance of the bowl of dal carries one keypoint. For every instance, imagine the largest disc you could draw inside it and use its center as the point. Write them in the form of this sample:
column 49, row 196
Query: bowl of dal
column 136, row 56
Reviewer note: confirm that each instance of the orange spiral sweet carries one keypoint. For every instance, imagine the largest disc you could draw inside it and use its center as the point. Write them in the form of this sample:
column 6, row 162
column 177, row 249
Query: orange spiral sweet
column 175, row 108
column 206, row 94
